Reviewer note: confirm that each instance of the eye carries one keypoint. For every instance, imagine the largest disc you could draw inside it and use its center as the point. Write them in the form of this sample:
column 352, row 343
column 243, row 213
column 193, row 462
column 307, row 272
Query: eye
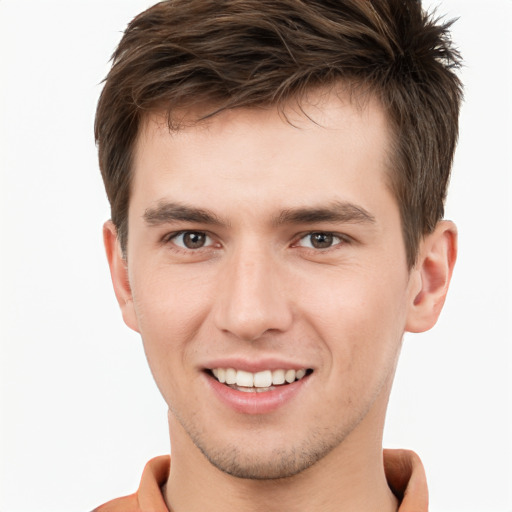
column 191, row 239
column 320, row 240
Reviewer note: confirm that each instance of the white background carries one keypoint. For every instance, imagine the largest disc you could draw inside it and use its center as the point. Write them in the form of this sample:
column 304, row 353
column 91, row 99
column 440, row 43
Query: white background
column 80, row 414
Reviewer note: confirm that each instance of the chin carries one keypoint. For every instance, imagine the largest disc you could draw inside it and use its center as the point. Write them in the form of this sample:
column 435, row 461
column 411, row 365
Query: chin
column 260, row 461
column 280, row 464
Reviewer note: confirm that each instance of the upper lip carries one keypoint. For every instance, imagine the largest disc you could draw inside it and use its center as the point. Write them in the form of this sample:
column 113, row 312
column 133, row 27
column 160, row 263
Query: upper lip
column 254, row 366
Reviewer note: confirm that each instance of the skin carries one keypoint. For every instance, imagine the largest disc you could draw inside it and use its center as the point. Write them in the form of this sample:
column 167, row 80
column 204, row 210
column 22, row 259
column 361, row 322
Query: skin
column 259, row 290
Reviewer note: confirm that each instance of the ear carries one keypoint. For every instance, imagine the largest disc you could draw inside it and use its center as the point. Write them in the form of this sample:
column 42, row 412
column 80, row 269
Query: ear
column 119, row 274
column 431, row 276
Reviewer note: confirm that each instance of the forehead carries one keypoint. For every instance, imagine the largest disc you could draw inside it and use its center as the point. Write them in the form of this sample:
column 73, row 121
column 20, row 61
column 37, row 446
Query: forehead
column 321, row 107
column 295, row 153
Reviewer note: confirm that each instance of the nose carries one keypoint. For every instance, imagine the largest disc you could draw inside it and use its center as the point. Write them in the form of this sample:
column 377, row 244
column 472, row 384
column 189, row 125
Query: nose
column 252, row 298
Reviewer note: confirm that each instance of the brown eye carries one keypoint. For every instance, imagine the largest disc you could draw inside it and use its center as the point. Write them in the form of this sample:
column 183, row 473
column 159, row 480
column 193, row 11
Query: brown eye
column 319, row 240
column 191, row 240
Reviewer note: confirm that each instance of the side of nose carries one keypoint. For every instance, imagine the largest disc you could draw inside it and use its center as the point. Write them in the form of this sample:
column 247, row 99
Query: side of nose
column 252, row 298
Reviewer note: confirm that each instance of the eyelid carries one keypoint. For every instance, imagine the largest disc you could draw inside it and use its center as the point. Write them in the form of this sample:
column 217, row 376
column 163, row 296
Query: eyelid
column 342, row 239
column 171, row 237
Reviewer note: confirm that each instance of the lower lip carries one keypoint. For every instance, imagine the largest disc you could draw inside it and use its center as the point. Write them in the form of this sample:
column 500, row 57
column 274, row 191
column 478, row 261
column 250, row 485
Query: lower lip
column 253, row 402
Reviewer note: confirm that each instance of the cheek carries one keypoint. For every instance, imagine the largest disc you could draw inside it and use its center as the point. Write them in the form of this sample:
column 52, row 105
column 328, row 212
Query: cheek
column 169, row 299
column 357, row 299
column 361, row 322
column 170, row 309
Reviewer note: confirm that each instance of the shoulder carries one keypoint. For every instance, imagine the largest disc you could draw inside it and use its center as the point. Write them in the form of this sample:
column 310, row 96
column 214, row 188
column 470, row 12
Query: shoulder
column 149, row 496
column 125, row 504
column 406, row 478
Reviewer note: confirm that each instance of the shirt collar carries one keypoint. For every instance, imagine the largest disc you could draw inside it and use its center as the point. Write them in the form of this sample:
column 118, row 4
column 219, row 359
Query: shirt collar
column 404, row 472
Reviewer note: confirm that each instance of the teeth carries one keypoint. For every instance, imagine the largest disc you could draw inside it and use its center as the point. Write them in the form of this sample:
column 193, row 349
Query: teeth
column 289, row 376
column 245, row 379
column 278, row 377
column 230, row 376
column 262, row 380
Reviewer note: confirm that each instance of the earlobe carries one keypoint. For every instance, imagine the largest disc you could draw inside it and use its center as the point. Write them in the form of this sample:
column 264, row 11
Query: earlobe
column 431, row 276
column 119, row 275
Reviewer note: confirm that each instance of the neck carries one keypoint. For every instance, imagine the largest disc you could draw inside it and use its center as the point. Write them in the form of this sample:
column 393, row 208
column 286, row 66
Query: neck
column 350, row 479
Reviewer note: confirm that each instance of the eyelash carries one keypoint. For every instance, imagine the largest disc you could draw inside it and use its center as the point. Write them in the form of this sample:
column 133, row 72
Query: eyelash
column 337, row 239
column 171, row 238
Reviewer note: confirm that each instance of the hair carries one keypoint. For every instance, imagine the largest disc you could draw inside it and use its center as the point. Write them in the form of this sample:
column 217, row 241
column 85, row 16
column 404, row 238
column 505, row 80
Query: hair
column 230, row 54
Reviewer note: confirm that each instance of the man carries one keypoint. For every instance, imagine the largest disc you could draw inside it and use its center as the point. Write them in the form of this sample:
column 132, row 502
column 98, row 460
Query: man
column 276, row 172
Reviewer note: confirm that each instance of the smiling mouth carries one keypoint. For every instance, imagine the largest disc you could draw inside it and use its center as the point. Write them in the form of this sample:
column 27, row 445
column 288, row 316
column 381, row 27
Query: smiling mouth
column 259, row 382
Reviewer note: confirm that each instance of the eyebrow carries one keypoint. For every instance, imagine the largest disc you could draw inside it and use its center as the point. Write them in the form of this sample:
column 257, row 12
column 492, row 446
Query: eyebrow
column 338, row 211
column 170, row 212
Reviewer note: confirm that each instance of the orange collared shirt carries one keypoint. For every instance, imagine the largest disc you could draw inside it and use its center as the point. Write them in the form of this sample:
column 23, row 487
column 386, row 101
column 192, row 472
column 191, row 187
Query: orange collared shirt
column 404, row 473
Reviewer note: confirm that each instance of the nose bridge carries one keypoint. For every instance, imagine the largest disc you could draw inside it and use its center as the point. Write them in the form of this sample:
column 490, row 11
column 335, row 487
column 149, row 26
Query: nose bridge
column 251, row 300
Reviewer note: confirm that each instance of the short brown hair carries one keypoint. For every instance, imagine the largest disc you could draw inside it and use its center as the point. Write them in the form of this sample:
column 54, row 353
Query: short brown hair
column 242, row 53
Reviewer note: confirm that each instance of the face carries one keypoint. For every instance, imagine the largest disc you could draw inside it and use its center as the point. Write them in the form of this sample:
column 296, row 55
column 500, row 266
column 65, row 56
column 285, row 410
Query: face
column 267, row 276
